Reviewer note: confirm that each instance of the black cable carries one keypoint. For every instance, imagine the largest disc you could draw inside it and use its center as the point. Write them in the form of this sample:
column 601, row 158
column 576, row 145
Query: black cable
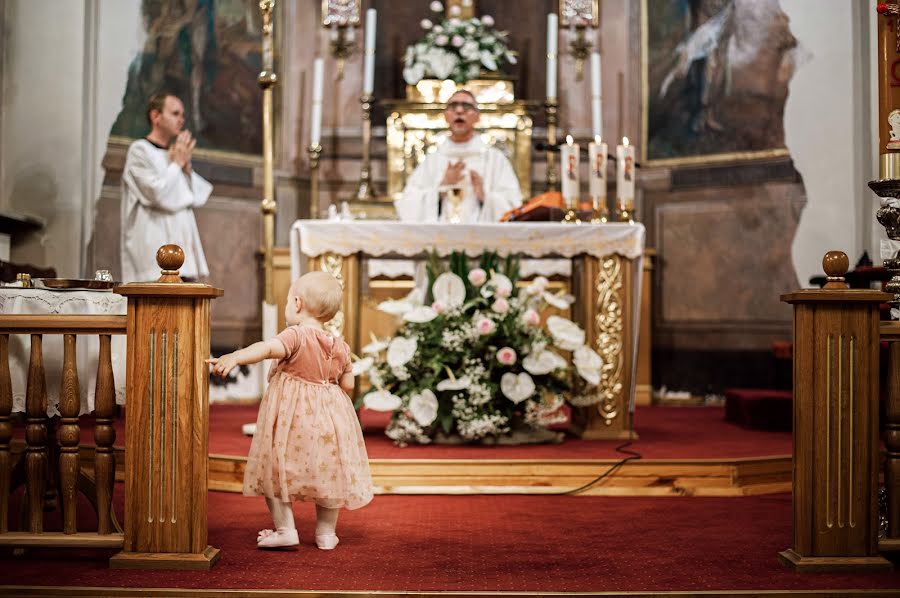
column 622, row 448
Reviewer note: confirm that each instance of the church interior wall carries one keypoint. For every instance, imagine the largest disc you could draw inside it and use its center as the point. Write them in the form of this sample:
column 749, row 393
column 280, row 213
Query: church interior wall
column 48, row 76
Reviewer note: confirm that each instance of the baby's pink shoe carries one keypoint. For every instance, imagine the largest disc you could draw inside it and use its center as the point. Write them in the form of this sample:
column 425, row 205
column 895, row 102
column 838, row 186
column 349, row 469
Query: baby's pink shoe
column 326, row 541
column 280, row 538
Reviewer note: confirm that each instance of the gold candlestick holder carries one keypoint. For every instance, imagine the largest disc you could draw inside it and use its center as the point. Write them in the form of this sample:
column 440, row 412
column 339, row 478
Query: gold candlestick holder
column 366, row 191
column 599, row 211
column 314, row 152
column 551, row 106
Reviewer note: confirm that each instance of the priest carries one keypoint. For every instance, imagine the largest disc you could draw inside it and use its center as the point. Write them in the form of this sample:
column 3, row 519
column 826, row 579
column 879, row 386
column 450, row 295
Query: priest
column 464, row 165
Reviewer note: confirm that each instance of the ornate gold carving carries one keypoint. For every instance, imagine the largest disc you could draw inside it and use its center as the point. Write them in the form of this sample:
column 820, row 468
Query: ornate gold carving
column 334, row 265
column 609, row 328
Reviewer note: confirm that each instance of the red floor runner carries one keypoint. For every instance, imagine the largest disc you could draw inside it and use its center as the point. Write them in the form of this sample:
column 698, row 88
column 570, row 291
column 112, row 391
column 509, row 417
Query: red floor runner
column 485, row 543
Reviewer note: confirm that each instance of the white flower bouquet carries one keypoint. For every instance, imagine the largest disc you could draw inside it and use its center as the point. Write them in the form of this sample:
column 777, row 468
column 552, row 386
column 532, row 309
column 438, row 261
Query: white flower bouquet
column 457, row 49
column 472, row 358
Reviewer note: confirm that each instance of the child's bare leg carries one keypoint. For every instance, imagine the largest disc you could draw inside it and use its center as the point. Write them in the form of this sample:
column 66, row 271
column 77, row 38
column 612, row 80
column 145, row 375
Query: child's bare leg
column 285, row 533
column 326, row 524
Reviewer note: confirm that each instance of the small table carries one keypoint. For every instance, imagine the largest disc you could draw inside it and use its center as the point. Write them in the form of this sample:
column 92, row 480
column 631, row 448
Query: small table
column 42, row 301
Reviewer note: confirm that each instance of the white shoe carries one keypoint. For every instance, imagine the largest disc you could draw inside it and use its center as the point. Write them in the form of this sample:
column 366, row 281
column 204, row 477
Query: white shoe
column 281, row 538
column 326, row 541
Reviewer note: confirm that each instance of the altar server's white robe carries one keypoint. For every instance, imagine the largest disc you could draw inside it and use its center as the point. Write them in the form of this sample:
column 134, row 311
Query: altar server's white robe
column 419, row 202
column 157, row 208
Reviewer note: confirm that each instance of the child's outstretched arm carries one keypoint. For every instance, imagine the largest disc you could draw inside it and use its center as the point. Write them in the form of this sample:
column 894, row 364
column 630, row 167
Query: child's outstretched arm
column 270, row 349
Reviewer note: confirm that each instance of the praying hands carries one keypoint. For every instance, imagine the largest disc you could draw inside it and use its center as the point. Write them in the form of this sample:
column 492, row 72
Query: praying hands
column 182, row 149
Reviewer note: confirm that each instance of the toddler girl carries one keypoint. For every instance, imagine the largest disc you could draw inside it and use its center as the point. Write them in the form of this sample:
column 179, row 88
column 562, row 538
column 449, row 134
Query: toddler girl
column 308, row 443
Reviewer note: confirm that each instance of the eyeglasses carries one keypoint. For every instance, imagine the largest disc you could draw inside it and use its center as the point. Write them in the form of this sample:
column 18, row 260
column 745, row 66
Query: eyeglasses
column 466, row 106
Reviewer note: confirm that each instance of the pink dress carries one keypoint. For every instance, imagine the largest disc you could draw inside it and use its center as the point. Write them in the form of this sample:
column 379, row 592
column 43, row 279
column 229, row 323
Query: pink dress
column 308, row 443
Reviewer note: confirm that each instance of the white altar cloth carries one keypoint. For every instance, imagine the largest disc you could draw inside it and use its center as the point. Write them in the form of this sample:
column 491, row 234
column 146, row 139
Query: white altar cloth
column 87, row 347
column 533, row 239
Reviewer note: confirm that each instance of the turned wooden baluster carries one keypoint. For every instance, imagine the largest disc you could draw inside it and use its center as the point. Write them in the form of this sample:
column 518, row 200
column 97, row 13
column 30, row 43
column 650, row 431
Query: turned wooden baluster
column 69, row 434
column 36, row 436
column 5, row 431
column 892, row 444
column 104, row 436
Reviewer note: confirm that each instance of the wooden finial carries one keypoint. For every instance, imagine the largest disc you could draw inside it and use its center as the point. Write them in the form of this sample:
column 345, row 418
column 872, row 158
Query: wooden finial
column 835, row 264
column 170, row 258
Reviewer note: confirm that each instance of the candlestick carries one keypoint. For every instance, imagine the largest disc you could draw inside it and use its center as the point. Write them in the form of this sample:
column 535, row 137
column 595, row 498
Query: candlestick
column 315, row 120
column 597, row 153
column 369, row 64
column 551, row 107
column 314, row 152
column 552, row 24
column 569, row 155
column 625, row 180
column 596, row 96
column 267, row 80
column 365, row 192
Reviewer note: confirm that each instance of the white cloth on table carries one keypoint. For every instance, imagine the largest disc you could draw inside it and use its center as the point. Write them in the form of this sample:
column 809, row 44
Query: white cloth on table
column 419, row 201
column 87, row 346
column 527, row 268
column 157, row 208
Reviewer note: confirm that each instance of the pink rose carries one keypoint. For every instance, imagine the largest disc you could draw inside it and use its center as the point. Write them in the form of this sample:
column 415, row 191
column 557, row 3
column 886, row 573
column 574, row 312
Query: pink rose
column 503, row 291
column 485, row 326
column 477, row 277
column 487, row 20
column 506, row 356
column 457, row 41
column 438, row 307
column 531, row 317
column 501, row 306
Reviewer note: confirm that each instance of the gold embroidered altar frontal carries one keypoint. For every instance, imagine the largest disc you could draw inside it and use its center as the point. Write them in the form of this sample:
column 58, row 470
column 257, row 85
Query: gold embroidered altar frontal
column 606, row 281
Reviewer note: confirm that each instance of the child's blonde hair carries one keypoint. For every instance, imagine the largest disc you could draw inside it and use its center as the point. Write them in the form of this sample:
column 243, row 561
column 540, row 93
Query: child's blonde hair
column 321, row 294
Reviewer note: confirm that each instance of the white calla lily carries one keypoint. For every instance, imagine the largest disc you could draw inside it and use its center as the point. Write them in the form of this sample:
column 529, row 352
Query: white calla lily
column 375, row 347
column 543, row 362
column 423, row 407
column 420, row 315
column 588, row 364
column 558, row 301
column 382, row 400
column 449, row 289
column 566, row 334
column 361, row 366
column 454, row 384
column 499, row 284
column 401, row 350
column 517, row 388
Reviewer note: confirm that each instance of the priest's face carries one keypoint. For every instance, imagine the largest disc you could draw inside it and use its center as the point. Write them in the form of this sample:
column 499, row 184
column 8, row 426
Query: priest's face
column 461, row 114
column 170, row 120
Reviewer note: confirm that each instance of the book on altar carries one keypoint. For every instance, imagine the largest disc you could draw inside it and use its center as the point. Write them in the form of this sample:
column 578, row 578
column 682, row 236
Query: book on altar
column 544, row 207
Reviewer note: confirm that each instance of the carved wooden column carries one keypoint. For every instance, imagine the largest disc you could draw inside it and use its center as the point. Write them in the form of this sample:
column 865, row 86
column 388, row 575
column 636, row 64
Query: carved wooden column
column 346, row 270
column 836, row 342
column 167, row 423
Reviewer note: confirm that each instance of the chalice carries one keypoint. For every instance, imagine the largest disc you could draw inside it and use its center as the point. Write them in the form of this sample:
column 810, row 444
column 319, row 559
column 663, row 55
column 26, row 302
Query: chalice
column 454, row 197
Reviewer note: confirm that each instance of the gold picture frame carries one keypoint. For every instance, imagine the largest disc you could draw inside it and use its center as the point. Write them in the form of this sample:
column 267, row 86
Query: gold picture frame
column 656, row 149
column 578, row 7
column 332, row 9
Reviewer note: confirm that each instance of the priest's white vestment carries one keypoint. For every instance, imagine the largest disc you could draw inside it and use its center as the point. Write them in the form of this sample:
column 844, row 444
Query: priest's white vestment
column 419, row 202
column 157, row 208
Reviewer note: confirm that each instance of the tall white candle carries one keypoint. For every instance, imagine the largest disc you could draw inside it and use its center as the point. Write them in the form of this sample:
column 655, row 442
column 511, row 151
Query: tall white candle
column 569, row 164
column 552, row 26
column 315, row 120
column 596, row 96
column 369, row 61
column 625, row 176
column 597, row 152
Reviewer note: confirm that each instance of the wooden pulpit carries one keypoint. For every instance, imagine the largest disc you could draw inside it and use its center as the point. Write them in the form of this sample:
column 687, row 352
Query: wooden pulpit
column 167, row 421
column 836, row 342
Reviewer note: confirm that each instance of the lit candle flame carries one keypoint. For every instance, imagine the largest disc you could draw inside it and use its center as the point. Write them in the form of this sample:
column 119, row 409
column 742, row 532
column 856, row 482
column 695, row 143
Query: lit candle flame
column 597, row 139
column 569, row 139
column 625, row 141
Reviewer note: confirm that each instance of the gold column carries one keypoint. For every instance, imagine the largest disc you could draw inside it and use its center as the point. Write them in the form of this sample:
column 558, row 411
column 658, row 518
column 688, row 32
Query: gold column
column 366, row 192
column 267, row 80
column 552, row 108
column 346, row 270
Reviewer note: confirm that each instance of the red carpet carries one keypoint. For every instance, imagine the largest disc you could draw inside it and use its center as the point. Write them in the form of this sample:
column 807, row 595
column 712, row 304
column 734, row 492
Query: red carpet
column 486, row 543
column 663, row 433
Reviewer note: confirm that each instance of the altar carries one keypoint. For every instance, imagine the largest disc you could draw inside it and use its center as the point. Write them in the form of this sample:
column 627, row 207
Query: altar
column 605, row 280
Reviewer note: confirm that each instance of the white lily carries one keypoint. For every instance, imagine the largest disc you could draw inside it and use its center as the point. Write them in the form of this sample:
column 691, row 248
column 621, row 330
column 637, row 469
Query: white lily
column 420, row 315
column 515, row 387
column 382, row 400
column 588, row 364
column 449, row 289
column 401, row 350
column 361, row 366
column 543, row 362
column 423, row 407
column 454, row 383
column 566, row 334
column 375, row 347
column 558, row 301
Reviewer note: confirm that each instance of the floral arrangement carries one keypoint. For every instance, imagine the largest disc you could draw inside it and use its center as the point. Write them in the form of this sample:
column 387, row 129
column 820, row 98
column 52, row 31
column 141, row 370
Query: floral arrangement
column 471, row 357
column 456, row 49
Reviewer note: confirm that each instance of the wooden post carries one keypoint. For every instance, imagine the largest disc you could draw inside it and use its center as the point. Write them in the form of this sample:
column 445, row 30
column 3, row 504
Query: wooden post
column 167, row 426
column 836, row 342
column 890, row 331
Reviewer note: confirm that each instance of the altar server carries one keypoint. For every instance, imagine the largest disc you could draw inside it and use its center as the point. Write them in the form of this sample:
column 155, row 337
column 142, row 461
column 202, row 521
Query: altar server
column 482, row 174
column 159, row 193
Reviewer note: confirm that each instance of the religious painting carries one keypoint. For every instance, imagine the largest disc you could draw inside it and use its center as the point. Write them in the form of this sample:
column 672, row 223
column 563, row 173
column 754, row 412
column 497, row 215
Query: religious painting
column 715, row 79
column 208, row 53
column 579, row 12
column 340, row 12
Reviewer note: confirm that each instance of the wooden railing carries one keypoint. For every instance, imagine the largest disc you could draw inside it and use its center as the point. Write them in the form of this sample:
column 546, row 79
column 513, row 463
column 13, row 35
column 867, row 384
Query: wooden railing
column 50, row 466
column 890, row 332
